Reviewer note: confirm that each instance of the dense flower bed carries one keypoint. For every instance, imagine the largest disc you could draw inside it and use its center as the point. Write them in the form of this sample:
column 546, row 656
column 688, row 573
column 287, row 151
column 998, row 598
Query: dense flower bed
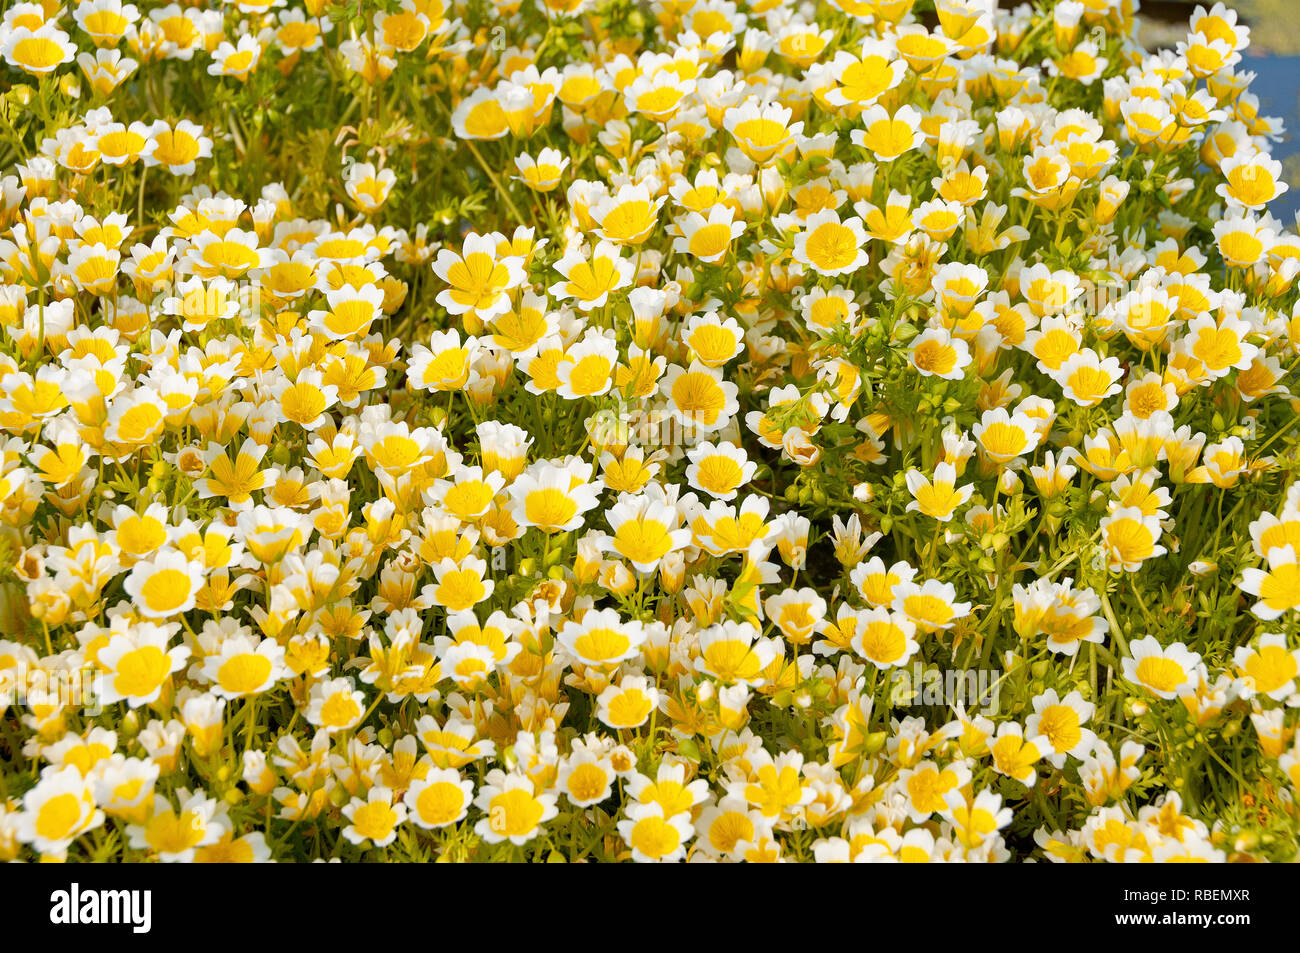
column 704, row 430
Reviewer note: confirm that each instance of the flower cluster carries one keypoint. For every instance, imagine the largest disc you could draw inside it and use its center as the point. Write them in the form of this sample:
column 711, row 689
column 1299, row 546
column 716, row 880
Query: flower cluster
column 585, row 430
